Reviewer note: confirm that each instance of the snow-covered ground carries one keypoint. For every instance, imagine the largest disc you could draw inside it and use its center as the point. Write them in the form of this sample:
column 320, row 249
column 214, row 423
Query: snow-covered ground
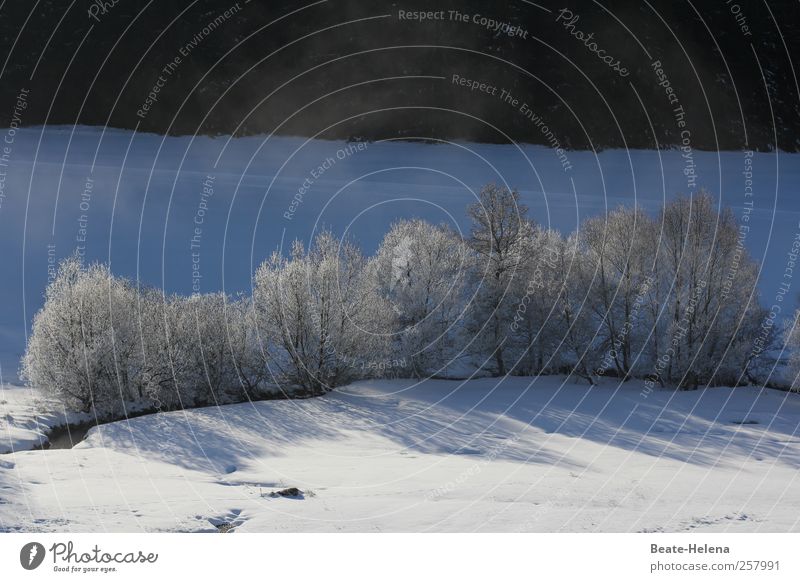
column 514, row 455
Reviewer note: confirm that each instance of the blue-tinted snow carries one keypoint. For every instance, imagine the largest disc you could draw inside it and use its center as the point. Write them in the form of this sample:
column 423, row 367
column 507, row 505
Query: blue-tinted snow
column 138, row 195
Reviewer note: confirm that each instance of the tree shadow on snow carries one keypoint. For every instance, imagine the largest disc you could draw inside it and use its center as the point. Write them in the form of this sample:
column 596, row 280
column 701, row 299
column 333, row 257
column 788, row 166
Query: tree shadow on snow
column 513, row 420
column 716, row 426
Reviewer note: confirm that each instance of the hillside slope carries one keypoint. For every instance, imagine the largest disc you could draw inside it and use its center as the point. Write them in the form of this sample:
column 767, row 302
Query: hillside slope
column 516, row 455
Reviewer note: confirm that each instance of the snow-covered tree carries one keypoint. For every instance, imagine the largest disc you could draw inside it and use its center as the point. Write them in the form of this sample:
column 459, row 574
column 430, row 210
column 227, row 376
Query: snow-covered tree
column 500, row 231
column 579, row 352
column 246, row 347
column 325, row 320
column 80, row 349
column 167, row 362
column 534, row 339
column 420, row 269
column 672, row 299
column 620, row 252
column 213, row 366
column 711, row 310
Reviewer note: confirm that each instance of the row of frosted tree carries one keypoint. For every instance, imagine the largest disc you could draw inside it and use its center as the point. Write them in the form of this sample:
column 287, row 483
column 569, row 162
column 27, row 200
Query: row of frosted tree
column 669, row 299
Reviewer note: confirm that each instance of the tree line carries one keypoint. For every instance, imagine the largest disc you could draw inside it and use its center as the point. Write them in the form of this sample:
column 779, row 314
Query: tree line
column 669, row 299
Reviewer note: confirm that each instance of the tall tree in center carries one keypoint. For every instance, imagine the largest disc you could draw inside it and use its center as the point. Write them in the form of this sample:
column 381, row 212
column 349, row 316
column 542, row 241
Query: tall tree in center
column 500, row 227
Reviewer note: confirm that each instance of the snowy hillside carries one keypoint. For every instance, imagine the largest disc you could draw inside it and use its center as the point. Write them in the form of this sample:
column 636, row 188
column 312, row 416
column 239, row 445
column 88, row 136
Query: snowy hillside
column 518, row 454
column 132, row 200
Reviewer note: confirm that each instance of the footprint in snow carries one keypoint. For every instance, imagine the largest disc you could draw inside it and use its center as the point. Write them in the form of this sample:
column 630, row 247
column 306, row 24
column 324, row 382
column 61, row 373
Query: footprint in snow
column 227, row 523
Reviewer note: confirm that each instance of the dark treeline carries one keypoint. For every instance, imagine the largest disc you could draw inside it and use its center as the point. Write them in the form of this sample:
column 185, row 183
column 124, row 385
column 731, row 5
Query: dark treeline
column 669, row 299
column 364, row 71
